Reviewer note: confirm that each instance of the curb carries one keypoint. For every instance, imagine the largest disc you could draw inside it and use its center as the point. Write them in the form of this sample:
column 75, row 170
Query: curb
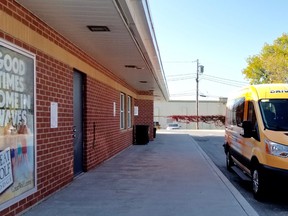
column 250, row 211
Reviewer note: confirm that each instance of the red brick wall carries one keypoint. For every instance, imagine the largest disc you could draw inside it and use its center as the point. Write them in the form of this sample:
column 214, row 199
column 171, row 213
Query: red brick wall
column 145, row 108
column 54, row 83
column 108, row 139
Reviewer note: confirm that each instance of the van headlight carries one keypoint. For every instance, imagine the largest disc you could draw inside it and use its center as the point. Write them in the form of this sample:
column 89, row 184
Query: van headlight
column 276, row 149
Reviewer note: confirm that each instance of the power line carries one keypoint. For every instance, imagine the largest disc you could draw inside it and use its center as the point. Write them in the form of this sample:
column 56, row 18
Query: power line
column 209, row 78
column 226, row 83
column 174, row 75
column 182, row 78
column 193, row 94
column 229, row 80
column 180, row 62
column 204, row 75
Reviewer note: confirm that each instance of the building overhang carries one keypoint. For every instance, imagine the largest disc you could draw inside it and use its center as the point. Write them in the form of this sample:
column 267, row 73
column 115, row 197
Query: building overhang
column 118, row 34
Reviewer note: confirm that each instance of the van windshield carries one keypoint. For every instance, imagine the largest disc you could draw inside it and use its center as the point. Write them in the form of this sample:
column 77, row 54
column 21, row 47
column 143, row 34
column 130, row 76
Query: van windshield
column 274, row 114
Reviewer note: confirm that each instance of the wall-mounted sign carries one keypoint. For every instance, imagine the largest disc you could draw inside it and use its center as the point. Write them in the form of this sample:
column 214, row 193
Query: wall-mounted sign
column 17, row 124
column 54, row 115
column 135, row 110
column 114, row 109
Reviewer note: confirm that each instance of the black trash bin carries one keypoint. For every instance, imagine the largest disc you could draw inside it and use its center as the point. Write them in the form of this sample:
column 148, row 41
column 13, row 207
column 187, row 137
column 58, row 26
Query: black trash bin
column 142, row 134
column 154, row 132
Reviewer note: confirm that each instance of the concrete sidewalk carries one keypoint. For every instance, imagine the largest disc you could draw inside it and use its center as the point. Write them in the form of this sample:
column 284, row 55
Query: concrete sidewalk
column 171, row 176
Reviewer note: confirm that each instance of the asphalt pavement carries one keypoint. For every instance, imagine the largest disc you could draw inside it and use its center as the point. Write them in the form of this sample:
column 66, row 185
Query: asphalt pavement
column 170, row 176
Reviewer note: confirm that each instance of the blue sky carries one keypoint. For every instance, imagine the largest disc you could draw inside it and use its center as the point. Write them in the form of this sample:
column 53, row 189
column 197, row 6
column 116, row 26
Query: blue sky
column 222, row 34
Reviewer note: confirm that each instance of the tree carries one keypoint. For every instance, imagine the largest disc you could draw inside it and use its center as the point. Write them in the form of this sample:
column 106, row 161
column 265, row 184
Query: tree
column 271, row 65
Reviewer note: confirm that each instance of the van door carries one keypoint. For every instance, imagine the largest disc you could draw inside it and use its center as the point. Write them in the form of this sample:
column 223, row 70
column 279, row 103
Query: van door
column 255, row 140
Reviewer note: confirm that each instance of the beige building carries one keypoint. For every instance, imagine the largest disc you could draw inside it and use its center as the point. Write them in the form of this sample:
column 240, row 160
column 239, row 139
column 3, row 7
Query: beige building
column 163, row 110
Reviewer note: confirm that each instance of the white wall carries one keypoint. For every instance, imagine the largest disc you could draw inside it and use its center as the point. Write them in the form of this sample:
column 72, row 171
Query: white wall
column 163, row 109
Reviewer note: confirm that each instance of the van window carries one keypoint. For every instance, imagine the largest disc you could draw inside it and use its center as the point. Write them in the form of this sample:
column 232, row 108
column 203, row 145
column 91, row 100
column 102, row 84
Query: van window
column 274, row 114
column 235, row 111
column 251, row 113
column 252, row 117
column 239, row 109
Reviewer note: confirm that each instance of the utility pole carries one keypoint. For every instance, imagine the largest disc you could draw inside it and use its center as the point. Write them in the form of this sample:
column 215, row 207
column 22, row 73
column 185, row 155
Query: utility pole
column 197, row 100
column 200, row 68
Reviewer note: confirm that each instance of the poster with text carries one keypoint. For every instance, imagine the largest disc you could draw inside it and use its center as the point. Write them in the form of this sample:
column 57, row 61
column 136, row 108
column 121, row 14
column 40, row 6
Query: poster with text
column 17, row 124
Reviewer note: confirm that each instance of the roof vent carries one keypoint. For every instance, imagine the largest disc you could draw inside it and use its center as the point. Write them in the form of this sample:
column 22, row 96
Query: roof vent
column 98, row 28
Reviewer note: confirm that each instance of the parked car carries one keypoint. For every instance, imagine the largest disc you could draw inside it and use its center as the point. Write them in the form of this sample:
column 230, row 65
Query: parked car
column 172, row 126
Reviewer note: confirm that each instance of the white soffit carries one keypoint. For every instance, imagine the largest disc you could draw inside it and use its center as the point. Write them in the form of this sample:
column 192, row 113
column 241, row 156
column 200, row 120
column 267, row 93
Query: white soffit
column 130, row 41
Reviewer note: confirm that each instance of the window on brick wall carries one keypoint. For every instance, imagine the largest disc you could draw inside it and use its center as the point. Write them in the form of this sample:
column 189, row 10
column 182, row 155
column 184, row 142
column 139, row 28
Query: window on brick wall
column 129, row 120
column 122, row 111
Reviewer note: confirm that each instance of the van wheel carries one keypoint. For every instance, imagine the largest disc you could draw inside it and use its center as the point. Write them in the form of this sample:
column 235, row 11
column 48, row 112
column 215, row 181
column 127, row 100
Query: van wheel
column 258, row 183
column 229, row 162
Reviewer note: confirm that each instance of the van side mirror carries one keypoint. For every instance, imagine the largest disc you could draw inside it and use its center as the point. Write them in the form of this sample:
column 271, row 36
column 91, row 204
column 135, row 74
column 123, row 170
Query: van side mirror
column 248, row 129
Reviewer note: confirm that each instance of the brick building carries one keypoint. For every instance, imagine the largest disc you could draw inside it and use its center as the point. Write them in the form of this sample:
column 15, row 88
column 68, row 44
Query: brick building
column 74, row 81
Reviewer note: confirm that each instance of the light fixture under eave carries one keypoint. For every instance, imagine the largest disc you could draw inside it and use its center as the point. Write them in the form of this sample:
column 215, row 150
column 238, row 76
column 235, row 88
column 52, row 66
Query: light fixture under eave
column 95, row 28
column 133, row 67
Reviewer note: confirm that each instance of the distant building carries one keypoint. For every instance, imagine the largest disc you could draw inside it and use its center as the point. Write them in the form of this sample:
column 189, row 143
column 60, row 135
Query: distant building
column 163, row 109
